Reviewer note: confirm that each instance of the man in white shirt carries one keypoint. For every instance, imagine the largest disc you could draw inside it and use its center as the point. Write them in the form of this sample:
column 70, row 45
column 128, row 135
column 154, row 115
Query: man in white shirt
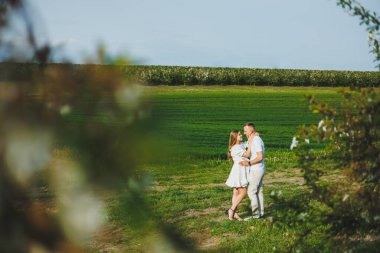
column 256, row 171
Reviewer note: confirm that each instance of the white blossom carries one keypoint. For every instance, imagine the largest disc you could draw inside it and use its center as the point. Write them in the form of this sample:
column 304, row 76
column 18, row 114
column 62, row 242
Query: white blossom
column 307, row 141
column 129, row 96
column 371, row 37
column 65, row 110
column 27, row 151
column 294, row 143
column 321, row 123
column 302, row 216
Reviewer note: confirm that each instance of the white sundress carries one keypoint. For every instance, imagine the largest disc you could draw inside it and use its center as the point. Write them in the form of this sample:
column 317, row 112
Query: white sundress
column 239, row 174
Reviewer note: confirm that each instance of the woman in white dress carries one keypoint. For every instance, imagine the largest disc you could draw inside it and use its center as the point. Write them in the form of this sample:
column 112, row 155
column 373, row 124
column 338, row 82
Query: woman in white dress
column 238, row 178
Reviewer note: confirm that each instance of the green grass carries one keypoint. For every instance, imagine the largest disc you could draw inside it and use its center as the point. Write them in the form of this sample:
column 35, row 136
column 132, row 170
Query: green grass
column 187, row 192
column 185, row 196
column 201, row 118
column 191, row 196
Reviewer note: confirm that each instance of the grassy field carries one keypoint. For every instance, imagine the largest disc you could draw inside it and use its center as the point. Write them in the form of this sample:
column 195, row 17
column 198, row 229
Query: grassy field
column 201, row 117
column 187, row 194
column 191, row 197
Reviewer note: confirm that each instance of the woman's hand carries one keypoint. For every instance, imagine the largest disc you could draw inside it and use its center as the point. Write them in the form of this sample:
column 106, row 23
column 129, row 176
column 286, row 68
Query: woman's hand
column 244, row 163
column 247, row 153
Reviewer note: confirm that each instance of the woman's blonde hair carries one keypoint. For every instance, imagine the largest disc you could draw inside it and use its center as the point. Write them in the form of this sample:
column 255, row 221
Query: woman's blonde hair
column 232, row 142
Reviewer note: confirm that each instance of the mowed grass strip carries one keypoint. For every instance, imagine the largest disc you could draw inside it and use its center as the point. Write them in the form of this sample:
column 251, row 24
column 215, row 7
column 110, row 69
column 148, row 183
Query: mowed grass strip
column 200, row 118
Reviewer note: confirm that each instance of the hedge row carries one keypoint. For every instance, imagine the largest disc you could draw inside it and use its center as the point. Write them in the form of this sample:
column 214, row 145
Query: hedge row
column 175, row 75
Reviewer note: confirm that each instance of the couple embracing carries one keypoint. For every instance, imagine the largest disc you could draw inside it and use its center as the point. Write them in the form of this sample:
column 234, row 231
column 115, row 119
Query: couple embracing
column 247, row 172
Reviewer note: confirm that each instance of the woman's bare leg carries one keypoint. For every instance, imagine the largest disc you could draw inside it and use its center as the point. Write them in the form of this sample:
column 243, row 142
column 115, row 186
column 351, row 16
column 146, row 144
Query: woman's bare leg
column 242, row 192
column 235, row 195
column 238, row 195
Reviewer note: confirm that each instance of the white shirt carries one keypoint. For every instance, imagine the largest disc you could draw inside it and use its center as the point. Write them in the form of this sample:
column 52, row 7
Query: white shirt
column 257, row 145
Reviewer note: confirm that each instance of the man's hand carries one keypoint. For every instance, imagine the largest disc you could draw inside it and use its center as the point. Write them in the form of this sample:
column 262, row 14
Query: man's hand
column 244, row 163
column 258, row 159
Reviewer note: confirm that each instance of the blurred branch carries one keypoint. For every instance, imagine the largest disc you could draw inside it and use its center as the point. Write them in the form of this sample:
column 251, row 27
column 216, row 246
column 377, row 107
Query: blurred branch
column 370, row 19
column 41, row 53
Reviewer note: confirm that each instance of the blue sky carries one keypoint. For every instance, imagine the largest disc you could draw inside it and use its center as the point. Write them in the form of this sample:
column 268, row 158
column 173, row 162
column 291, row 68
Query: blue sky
column 290, row 34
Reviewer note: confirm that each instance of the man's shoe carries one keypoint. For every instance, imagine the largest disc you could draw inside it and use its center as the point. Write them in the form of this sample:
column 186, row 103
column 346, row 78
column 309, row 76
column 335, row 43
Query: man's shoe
column 252, row 217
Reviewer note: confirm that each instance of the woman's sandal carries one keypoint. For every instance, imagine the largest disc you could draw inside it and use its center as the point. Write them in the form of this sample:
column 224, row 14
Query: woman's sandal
column 227, row 212
column 237, row 217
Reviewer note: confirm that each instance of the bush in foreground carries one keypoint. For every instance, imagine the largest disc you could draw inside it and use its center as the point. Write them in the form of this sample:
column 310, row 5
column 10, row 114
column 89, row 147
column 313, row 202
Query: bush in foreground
column 343, row 196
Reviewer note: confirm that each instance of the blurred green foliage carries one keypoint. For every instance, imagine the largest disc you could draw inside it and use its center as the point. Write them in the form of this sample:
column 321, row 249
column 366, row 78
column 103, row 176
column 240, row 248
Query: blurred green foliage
column 343, row 182
column 67, row 133
column 40, row 131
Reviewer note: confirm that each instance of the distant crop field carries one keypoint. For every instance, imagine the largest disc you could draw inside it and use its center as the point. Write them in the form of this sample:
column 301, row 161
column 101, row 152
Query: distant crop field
column 180, row 75
column 200, row 118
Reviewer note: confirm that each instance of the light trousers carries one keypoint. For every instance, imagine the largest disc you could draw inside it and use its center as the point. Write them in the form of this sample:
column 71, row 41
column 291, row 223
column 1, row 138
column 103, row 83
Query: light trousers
column 255, row 190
